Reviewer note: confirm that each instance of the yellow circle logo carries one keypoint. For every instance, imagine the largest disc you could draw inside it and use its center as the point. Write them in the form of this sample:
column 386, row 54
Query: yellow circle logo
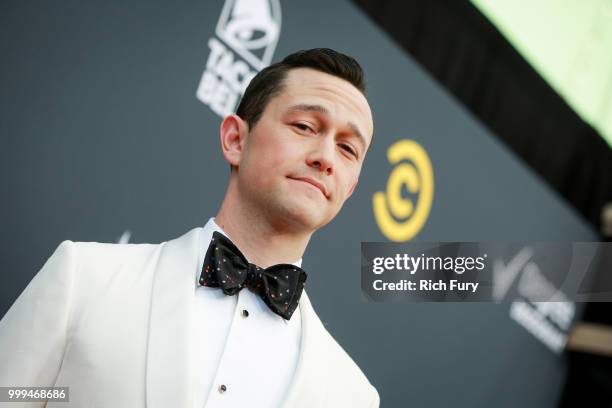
column 399, row 218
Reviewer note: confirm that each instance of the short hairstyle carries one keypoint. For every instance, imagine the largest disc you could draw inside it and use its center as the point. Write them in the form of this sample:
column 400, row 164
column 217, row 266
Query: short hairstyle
column 269, row 82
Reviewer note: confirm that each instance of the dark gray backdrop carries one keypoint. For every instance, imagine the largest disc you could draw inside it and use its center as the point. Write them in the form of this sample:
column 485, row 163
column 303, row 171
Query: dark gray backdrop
column 102, row 133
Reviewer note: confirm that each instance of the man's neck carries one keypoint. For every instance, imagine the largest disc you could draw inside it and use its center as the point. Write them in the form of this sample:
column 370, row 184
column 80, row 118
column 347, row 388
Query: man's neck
column 262, row 243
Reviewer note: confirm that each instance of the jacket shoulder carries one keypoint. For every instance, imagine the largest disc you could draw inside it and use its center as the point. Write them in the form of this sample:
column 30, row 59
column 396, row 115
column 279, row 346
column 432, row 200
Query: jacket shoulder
column 112, row 251
column 96, row 263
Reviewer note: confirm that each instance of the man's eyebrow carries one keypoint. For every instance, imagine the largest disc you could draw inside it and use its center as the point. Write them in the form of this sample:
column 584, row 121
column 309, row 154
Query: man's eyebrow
column 309, row 108
column 322, row 109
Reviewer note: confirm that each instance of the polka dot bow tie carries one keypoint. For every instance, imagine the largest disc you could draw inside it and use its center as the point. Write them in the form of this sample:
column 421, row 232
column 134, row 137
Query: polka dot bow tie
column 280, row 286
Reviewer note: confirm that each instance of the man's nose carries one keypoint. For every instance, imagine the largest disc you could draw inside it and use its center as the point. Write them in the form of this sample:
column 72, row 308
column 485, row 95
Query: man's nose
column 321, row 156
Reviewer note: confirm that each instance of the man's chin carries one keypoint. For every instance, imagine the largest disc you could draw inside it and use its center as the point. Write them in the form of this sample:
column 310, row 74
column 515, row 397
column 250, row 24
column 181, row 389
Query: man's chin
column 302, row 216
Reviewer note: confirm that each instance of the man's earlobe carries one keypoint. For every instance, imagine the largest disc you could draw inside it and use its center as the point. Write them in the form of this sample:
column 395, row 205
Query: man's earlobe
column 232, row 133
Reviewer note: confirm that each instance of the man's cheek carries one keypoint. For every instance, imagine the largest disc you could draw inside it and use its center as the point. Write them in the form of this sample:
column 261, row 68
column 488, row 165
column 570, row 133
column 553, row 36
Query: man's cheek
column 346, row 188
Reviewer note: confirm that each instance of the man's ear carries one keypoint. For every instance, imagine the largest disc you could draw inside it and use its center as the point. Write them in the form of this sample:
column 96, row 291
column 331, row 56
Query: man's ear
column 232, row 135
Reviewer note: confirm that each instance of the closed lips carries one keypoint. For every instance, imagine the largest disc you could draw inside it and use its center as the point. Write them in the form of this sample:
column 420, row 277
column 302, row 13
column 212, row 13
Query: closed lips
column 315, row 183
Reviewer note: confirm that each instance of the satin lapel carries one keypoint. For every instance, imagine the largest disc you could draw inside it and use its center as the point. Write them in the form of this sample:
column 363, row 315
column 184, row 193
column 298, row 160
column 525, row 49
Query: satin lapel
column 168, row 377
column 307, row 389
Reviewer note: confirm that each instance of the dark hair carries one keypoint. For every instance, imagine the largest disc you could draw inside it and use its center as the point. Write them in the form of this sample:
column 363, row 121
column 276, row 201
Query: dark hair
column 269, row 81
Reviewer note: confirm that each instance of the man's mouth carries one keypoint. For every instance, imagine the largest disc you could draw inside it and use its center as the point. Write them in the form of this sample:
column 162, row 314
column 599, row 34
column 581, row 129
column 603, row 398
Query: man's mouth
column 320, row 186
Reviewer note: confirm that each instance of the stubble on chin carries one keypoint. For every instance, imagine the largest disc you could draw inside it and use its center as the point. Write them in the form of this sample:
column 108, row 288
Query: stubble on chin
column 295, row 212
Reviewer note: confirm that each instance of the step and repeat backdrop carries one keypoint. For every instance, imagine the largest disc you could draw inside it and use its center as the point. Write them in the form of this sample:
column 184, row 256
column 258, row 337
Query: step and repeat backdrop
column 109, row 121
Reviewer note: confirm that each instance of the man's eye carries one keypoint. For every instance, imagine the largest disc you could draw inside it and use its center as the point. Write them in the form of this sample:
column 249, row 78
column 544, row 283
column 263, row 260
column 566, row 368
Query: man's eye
column 349, row 149
column 303, row 127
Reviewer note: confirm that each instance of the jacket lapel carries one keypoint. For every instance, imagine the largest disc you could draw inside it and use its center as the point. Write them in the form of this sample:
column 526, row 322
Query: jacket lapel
column 307, row 389
column 168, row 376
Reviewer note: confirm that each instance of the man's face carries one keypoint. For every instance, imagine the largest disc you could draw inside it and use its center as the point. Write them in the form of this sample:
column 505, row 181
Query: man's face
column 317, row 130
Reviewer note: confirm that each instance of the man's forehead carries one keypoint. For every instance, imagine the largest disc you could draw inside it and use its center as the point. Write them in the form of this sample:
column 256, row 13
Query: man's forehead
column 310, row 80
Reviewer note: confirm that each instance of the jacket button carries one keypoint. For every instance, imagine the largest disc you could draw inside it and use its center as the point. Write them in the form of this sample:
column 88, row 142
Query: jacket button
column 245, row 313
column 222, row 388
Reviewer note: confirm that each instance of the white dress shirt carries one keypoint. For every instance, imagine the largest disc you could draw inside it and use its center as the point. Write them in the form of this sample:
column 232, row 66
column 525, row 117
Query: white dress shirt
column 245, row 355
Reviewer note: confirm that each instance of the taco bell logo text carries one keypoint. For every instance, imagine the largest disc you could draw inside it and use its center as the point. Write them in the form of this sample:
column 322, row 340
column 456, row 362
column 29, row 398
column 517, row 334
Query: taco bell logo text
column 246, row 37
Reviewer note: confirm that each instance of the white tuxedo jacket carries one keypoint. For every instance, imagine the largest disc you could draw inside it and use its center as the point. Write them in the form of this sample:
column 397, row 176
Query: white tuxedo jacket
column 112, row 322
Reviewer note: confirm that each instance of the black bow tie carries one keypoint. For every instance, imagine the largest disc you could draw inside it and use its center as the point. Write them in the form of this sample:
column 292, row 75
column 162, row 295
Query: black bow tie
column 280, row 286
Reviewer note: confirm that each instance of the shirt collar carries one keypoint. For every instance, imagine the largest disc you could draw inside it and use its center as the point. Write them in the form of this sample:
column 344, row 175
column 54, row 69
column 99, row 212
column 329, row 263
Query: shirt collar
column 205, row 237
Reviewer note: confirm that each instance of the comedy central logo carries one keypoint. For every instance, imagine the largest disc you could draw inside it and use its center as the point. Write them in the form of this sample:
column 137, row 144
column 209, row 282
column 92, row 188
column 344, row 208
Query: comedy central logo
column 401, row 218
column 246, row 36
